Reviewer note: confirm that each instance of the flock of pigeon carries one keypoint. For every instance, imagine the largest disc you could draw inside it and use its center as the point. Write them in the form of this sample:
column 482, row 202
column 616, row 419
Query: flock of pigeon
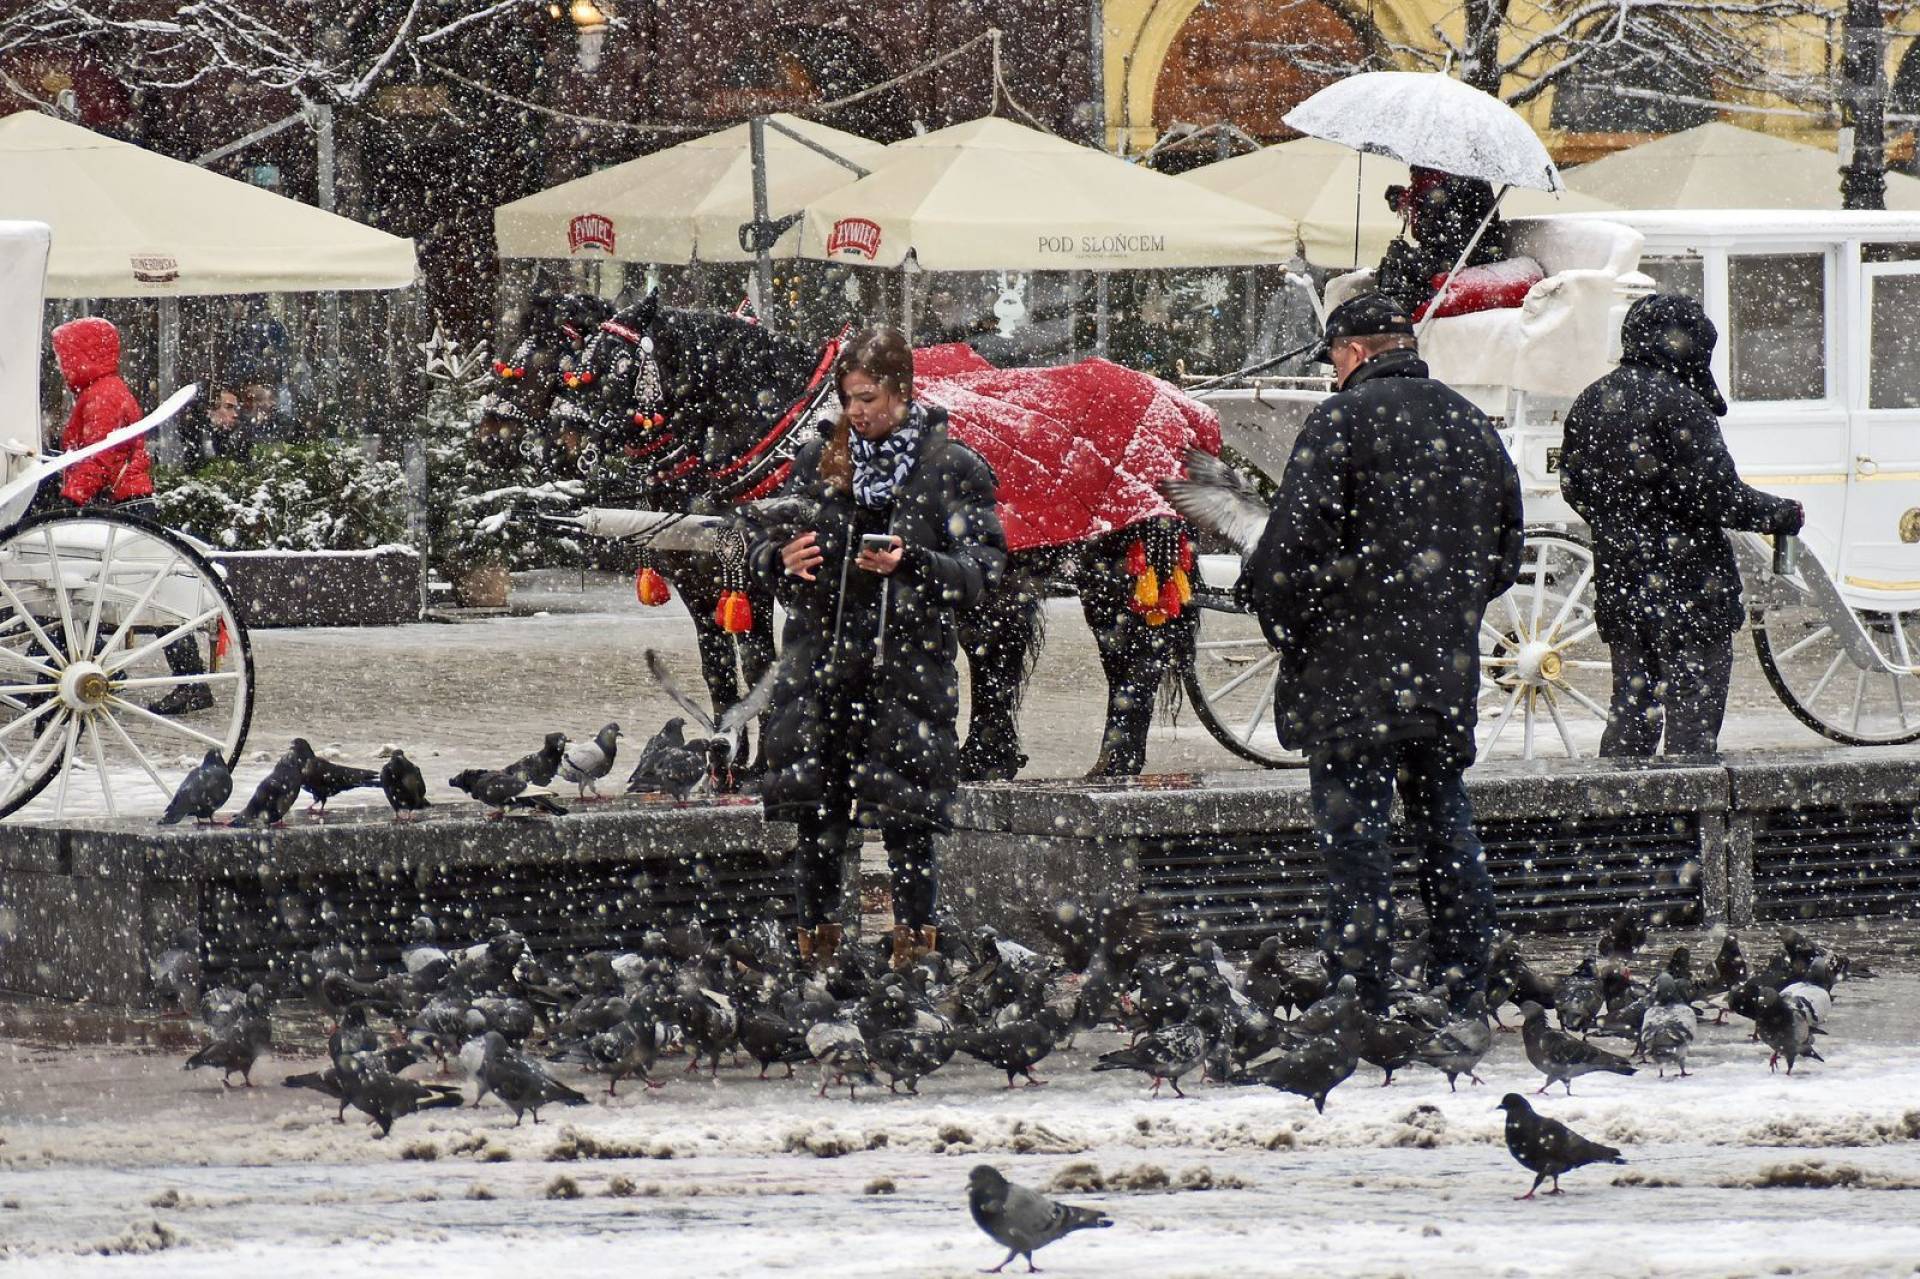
column 511, row 1020
column 669, row 763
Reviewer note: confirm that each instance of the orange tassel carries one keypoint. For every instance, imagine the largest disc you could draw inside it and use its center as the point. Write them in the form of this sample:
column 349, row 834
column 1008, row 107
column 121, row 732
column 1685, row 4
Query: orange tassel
column 1181, row 585
column 1146, row 590
column 651, row 587
column 734, row 613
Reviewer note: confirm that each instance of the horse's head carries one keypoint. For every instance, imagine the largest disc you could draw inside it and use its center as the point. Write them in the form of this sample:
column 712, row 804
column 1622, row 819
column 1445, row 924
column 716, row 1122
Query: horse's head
column 529, row 384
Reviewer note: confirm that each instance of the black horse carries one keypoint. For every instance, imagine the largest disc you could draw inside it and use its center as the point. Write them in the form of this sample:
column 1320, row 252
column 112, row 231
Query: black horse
column 699, row 412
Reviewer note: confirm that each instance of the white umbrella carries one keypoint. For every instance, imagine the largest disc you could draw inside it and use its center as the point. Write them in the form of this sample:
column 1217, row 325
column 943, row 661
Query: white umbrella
column 1338, row 196
column 1432, row 120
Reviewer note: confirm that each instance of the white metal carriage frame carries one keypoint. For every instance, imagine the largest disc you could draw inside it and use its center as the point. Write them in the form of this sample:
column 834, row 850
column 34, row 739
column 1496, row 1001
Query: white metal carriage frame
column 1837, row 638
column 91, row 599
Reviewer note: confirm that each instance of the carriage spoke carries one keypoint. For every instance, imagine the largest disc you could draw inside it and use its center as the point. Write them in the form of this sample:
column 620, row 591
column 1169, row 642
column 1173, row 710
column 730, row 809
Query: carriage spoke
column 1271, row 659
column 1506, row 714
column 1513, row 614
column 140, row 756
column 1900, row 703
column 139, row 606
column 100, row 762
column 1261, row 705
column 1586, row 702
column 1539, row 588
column 1526, row 725
column 134, row 708
column 65, row 766
column 1859, row 695
column 38, row 668
column 1573, row 599
column 173, row 681
column 1587, row 628
column 17, row 690
column 1559, row 723
column 129, row 658
column 49, row 735
column 1787, row 654
column 100, row 590
column 56, row 571
column 1833, row 668
column 1210, row 645
column 20, row 610
column 51, row 703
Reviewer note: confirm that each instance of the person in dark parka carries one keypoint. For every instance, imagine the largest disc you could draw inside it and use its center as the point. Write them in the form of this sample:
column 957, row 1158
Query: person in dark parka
column 863, row 720
column 1397, row 521
column 1645, row 466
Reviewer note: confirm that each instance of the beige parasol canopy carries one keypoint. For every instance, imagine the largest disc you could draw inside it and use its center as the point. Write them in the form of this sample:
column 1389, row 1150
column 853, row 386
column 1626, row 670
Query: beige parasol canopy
column 1722, row 166
column 1324, row 187
column 128, row 222
column 683, row 204
column 994, row 195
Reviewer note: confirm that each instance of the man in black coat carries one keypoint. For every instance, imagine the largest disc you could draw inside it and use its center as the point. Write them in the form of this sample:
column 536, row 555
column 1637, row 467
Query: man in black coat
column 1397, row 522
column 1645, row 466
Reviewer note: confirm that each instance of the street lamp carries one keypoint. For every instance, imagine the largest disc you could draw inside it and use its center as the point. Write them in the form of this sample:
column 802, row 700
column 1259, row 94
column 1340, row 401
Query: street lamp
column 590, row 22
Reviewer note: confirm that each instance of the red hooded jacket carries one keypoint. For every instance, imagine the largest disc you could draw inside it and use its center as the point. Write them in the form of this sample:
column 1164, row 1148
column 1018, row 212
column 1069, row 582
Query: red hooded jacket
column 89, row 354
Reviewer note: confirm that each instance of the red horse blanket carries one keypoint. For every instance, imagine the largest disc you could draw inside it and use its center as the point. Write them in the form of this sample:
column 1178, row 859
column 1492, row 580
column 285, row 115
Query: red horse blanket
column 1077, row 450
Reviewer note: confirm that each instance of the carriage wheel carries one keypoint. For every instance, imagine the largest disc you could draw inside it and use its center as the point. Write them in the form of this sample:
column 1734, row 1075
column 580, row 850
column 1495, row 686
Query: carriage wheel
column 1818, row 680
column 1232, row 680
column 96, row 611
column 1542, row 664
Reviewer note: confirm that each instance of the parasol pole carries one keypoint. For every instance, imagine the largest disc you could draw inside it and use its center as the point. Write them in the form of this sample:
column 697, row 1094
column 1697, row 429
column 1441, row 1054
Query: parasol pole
column 1102, row 314
column 763, row 245
column 1446, row 285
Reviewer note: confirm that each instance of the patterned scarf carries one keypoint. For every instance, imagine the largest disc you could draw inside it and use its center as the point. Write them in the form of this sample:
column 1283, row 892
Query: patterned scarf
column 880, row 465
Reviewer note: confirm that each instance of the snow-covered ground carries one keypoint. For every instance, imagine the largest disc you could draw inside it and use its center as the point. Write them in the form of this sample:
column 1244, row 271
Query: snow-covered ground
column 114, row 1151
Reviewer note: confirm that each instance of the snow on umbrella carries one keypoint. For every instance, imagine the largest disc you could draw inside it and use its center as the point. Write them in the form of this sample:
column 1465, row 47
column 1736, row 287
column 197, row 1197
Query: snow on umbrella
column 1432, row 120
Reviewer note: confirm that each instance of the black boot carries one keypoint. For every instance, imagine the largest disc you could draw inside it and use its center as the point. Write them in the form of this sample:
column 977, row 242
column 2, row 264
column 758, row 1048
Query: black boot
column 185, row 699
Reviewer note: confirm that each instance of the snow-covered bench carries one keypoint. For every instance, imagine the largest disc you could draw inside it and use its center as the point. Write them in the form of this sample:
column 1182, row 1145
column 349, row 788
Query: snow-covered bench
column 1561, row 337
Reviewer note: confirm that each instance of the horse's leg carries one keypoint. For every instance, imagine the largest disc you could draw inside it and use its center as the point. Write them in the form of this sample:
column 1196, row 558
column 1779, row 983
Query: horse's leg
column 1104, row 585
column 997, row 635
column 697, row 580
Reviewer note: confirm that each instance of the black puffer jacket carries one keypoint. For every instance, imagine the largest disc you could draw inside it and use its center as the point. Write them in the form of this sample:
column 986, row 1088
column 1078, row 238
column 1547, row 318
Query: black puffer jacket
column 896, row 653
column 1397, row 521
column 1644, row 464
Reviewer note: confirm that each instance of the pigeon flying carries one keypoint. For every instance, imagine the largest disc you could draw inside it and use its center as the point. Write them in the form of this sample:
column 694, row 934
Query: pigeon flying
column 201, row 793
column 1020, row 1220
column 1548, row 1148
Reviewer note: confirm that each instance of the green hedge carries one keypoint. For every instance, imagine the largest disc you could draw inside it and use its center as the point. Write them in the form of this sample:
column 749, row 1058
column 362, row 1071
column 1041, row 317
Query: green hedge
column 322, row 496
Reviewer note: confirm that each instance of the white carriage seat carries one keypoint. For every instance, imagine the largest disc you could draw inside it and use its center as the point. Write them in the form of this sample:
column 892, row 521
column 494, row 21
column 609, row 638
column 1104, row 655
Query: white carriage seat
column 1560, row 338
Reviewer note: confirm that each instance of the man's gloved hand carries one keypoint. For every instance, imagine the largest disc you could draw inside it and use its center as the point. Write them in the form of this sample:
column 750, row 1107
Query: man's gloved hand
column 1792, row 518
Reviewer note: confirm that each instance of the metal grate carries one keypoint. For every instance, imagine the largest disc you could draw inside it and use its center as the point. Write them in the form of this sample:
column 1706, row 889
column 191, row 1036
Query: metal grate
column 1811, row 862
column 1548, row 875
column 264, row 931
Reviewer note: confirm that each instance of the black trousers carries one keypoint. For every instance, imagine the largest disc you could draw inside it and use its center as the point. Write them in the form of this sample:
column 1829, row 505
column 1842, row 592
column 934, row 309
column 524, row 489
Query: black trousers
column 1662, row 683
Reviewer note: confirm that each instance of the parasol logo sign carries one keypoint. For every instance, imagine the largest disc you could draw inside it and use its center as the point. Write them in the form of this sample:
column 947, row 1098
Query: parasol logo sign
column 1103, row 246
column 590, row 231
column 857, row 236
column 154, row 268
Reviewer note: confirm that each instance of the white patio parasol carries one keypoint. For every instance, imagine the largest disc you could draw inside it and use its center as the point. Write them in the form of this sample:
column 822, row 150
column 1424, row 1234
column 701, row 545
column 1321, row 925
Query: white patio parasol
column 1429, row 119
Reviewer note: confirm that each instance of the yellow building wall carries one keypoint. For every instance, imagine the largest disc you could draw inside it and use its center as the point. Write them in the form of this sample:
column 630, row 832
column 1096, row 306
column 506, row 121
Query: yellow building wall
column 1140, row 33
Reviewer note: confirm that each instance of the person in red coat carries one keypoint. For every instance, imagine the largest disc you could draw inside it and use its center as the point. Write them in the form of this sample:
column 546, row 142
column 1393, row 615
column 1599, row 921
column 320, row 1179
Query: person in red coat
column 89, row 354
column 88, row 351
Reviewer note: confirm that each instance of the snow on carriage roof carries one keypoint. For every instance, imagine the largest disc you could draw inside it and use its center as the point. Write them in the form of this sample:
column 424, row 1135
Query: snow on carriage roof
column 1724, row 225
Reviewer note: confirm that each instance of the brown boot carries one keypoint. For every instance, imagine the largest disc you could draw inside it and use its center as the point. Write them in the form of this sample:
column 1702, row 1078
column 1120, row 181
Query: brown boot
column 805, row 938
column 929, row 941
column 905, row 941
column 826, row 940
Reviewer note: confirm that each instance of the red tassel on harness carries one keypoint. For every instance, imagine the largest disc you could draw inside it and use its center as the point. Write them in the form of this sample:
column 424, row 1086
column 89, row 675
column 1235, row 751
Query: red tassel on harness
column 651, row 587
column 734, row 613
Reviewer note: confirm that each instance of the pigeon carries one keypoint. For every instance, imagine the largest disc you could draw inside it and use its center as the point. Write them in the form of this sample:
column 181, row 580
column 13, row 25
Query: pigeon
column 374, row 1090
column 1015, row 1048
column 1273, row 986
column 771, row 1039
column 323, row 778
column 1548, row 1148
column 1786, row 1026
column 1625, row 935
column 201, row 793
column 1386, row 1043
column 1458, row 1046
column 519, row 1081
column 1666, row 1028
column 539, row 768
column 1215, row 497
column 502, row 790
column 1020, row 1220
column 841, row 1050
column 677, row 770
column 1560, row 1056
column 239, row 1039
column 588, row 762
column 1577, row 999
column 1817, row 999
column 1312, row 1070
column 909, row 1055
column 672, row 736
column 711, row 1026
column 625, row 1049
column 176, row 973
column 405, row 788
column 1163, row 1056
column 274, row 797
column 732, row 721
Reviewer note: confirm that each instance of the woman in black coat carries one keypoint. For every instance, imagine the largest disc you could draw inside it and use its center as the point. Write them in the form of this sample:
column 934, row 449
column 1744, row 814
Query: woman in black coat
column 863, row 721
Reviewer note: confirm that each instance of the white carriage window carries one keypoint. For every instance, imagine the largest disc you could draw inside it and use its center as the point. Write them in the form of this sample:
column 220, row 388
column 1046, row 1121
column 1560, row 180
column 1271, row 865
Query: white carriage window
column 1893, row 376
column 1778, row 306
column 1685, row 276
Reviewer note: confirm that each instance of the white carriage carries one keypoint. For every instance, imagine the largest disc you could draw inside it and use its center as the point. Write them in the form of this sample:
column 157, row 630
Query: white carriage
column 1819, row 316
column 91, row 602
